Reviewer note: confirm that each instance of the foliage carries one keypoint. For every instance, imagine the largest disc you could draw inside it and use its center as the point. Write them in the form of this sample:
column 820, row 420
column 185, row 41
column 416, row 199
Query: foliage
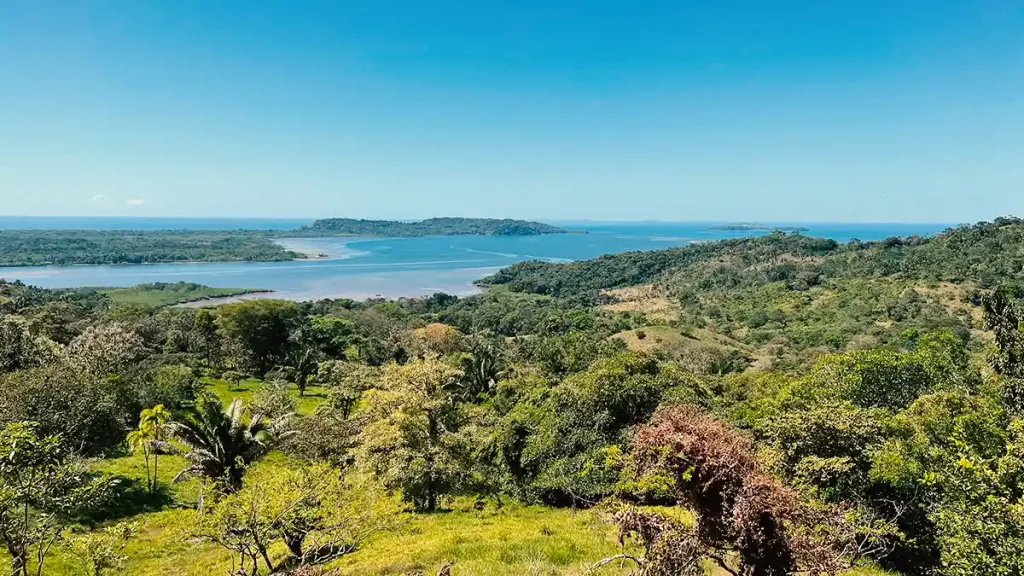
column 710, row 468
column 316, row 513
column 257, row 333
column 106, row 349
column 411, row 438
column 150, row 438
column 41, row 488
column 272, row 400
column 220, row 443
column 554, row 440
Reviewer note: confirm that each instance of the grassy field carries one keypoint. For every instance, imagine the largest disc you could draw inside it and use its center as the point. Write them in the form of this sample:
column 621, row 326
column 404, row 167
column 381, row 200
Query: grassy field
column 247, row 388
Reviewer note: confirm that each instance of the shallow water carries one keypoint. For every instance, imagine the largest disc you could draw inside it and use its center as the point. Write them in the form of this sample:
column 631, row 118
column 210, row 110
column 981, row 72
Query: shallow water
column 394, row 267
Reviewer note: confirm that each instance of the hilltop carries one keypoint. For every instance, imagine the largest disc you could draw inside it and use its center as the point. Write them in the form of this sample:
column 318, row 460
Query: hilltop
column 782, row 299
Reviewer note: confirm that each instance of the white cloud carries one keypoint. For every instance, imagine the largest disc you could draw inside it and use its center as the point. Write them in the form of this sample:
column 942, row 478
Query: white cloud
column 135, row 202
column 97, row 198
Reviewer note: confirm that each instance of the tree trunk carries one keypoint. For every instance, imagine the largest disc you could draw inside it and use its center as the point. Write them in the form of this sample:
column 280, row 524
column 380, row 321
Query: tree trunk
column 156, row 460
column 432, row 434
column 149, row 479
column 294, row 543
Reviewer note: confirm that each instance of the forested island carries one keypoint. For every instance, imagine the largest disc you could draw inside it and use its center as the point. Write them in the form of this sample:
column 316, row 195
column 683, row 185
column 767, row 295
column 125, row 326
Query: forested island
column 66, row 247
column 743, row 227
column 774, row 405
column 430, row 227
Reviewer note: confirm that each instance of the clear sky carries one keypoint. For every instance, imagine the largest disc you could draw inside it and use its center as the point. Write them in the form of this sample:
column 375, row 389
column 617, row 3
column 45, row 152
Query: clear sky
column 784, row 110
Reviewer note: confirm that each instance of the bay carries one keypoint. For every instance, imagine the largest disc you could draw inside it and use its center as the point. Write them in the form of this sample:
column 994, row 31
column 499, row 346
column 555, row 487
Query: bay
column 397, row 267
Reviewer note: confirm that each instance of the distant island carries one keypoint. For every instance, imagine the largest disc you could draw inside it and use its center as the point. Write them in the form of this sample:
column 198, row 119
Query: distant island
column 745, row 227
column 430, row 227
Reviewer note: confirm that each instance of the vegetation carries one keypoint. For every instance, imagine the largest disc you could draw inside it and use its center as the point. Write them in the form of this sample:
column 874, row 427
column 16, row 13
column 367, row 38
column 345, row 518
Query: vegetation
column 430, row 227
column 778, row 405
column 65, row 247
column 157, row 294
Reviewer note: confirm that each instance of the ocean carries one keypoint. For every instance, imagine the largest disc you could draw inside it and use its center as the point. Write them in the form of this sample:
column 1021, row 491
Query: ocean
column 392, row 267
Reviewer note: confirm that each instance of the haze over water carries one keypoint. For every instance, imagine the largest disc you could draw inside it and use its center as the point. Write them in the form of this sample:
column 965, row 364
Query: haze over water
column 393, row 267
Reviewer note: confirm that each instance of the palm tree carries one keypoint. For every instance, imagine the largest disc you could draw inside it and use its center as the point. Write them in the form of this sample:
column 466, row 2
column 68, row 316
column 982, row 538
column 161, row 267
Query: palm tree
column 219, row 444
column 481, row 371
column 150, row 438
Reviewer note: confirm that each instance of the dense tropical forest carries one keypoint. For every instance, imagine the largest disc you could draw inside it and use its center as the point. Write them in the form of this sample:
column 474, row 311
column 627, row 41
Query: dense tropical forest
column 431, row 227
column 764, row 406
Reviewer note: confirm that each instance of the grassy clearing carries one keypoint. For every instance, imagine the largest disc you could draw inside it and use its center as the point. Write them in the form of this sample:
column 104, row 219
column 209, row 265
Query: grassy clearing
column 509, row 541
column 245, row 390
column 654, row 338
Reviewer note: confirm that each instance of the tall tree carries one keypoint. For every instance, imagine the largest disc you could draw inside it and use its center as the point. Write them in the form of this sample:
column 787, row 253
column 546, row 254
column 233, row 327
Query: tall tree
column 258, row 332
column 150, row 438
column 411, row 438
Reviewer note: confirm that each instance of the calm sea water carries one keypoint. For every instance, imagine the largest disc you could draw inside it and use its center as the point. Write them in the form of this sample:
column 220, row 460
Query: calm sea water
column 366, row 267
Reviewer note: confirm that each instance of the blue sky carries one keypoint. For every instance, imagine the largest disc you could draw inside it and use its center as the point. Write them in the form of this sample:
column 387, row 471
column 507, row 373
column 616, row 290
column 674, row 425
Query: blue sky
column 858, row 110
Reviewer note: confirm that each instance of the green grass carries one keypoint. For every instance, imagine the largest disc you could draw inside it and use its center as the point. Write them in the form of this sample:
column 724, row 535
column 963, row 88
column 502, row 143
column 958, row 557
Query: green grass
column 245, row 390
column 508, row 541
column 169, row 295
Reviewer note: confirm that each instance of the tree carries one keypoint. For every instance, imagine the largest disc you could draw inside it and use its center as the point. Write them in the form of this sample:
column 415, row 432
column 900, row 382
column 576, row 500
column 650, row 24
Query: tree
column 272, row 400
column 709, row 467
column 410, row 439
column 481, row 369
column 18, row 349
column 204, row 338
column 303, row 363
column 257, row 332
column 90, row 412
column 220, row 443
column 106, row 349
column 554, row 444
column 233, row 378
column 346, row 382
column 330, row 335
column 318, row 514
column 150, row 438
column 1003, row 317
column 41, row 488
